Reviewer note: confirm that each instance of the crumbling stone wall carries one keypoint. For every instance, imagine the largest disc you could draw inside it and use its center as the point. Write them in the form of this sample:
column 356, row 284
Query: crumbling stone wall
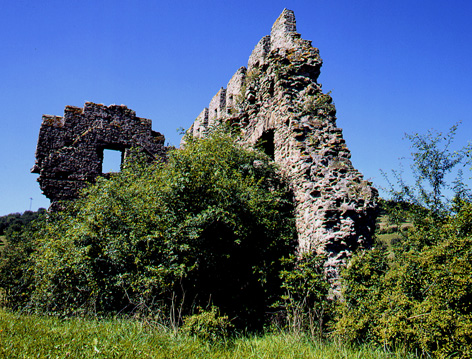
column 276, row 102
column 70, row 149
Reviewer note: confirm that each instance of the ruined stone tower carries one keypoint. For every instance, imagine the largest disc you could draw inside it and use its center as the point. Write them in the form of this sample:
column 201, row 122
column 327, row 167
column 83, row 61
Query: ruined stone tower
column 70, row 149
column 276, row 103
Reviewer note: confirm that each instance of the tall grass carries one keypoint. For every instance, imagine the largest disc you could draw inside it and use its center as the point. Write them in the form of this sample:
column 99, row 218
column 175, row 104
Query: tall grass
column 28, row 336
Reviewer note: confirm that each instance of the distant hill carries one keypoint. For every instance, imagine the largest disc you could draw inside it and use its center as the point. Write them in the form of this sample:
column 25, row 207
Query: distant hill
column 14, row 221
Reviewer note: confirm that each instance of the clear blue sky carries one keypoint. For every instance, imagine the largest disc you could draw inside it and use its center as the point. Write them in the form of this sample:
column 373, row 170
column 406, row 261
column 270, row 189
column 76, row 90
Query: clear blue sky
column 392, row 66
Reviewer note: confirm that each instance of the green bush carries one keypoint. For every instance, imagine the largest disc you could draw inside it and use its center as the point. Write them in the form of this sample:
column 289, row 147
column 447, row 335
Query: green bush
column 210, row 225
column 207, row 325
column 16, row 264
column 304, row 304
column 419, row 296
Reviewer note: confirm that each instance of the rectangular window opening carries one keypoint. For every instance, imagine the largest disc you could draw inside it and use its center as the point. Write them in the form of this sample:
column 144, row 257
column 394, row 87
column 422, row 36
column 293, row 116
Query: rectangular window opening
column 112, row 161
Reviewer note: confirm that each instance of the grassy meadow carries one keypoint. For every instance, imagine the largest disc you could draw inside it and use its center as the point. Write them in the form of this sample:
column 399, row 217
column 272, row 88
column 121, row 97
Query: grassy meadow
column 29, row 336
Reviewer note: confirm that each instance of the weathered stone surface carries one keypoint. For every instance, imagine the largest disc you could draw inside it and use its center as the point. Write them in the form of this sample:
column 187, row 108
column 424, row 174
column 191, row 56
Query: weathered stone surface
column 70, row 149
column 217, row 107
column 259, row 53
column 281, row 107
column 233, row 89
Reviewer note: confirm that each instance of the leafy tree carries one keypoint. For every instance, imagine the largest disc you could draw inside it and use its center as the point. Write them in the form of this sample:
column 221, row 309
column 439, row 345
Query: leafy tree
column 420, row 298
column 209, row 226
column 15, row 252
column 433, row 160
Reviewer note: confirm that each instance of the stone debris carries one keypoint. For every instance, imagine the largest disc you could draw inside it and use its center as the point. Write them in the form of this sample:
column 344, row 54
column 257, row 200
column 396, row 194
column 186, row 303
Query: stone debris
column 277, row 104
column 69, row 153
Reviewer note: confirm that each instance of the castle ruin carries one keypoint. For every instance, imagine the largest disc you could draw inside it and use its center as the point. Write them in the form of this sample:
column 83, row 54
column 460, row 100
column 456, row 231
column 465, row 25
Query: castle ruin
column 276, row 103
column 70, row 149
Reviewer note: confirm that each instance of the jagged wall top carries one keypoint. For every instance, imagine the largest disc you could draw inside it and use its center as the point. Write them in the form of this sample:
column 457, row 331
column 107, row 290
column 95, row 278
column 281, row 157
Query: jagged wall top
column 284, row 31
column 283, row 38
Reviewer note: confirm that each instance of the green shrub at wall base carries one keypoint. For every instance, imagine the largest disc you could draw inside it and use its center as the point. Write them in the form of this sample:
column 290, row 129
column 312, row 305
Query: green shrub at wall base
column 209, row 226
column 304, row 302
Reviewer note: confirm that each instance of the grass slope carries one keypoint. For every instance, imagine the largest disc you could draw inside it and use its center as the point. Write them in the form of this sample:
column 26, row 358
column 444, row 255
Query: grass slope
column 27, row 336
column 387, row 232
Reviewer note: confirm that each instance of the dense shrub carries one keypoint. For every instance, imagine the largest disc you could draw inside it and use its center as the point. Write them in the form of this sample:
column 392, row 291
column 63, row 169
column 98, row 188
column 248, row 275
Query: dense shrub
column 207, row 325
column 304, row 304
column 209, row 226
column 418, row 292
column 16, row 264
column 415, row 295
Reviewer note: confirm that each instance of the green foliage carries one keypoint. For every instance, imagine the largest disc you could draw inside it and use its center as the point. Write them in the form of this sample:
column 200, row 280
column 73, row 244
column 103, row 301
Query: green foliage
column 418, row 291
column 16, row 247
column 418, row 296
column 15, row 221
column 304, row 302
column 16, row 263
column 210, row 225
column 208, row 325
